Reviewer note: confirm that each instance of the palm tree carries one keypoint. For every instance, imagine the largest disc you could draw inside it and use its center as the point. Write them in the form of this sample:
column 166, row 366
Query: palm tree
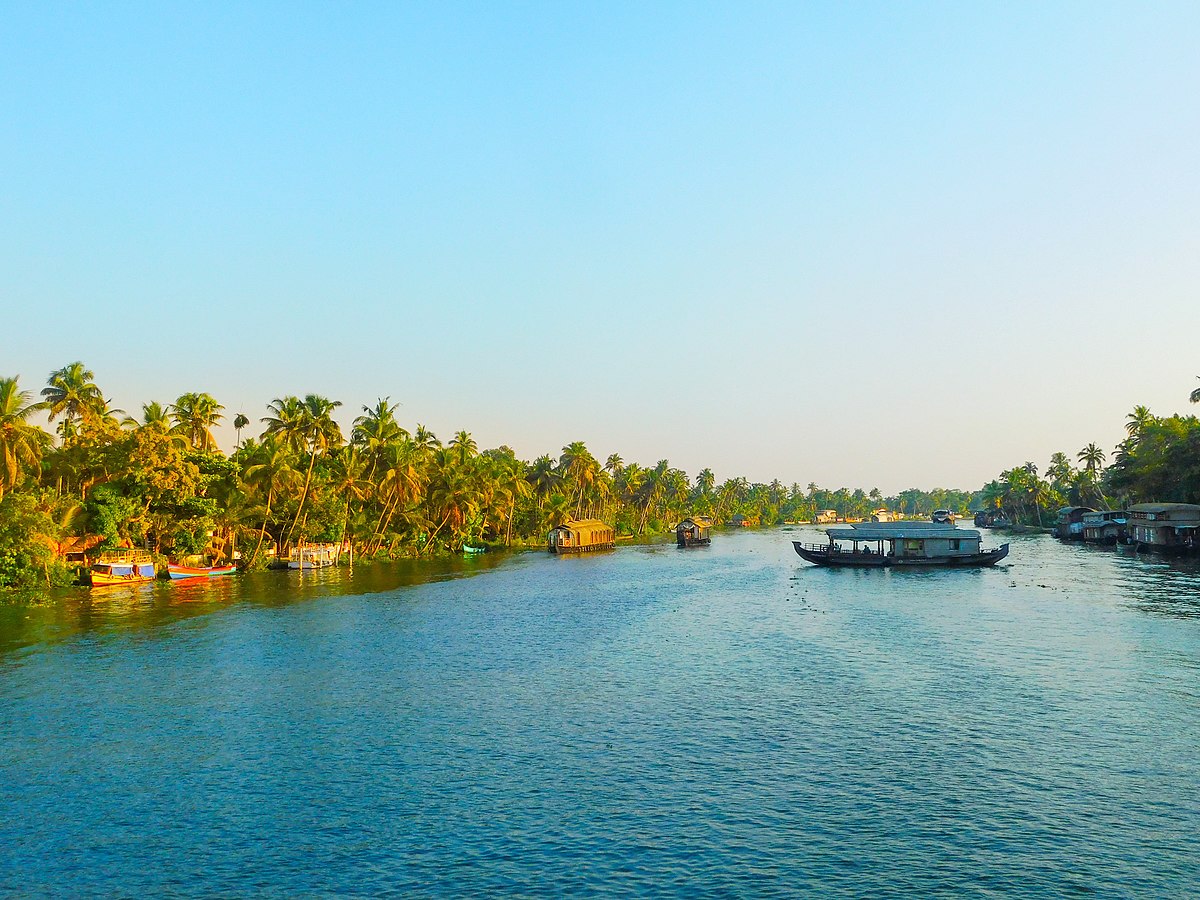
column 465, row 445
column 1195, row 395
column 194, row 414
column 239, row 422
column 155, row 415
column 376, row 430
column 71, row 392
column 271, row 474
column 580, row 467
column 21, row 444
column 1141, row 417
column 1092, row 457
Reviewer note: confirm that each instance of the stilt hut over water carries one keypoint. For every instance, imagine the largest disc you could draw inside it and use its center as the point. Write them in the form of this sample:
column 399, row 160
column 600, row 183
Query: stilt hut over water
column 694, row 532
column 581, row 536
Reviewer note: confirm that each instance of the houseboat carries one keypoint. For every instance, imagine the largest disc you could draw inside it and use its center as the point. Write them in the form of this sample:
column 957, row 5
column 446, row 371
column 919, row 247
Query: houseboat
column 1069, row 526
column 942, row 517
column 1104, row 526
column 314, row 556
column 122, row 567
column 1165, row 527
column 581, row 536
column 694, row 532
column 900, row 544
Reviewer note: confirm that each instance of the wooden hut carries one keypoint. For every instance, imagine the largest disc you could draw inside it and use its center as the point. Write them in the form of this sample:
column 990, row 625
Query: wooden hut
column 1166, row 527
column 694, row 532
column 581, row 536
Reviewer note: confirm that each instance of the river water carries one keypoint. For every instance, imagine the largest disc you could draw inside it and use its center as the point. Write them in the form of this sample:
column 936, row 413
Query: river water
column 713, row 722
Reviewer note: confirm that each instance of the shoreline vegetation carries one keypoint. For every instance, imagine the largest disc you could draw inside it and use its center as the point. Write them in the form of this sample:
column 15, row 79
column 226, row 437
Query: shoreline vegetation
column 157, row 480
column 1157, row 462
column 106, row 479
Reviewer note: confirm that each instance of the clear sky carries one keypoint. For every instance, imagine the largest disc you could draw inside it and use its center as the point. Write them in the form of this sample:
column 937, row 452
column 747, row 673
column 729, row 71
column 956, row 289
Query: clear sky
column 860, row 244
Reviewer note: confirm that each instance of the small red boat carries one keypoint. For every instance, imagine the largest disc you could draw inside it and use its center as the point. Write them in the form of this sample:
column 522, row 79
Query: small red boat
column 178, row 573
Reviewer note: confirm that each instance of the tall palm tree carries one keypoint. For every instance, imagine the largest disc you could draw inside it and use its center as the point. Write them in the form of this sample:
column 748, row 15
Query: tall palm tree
column 465, row 445
column 194, row 414
column 21, row 444
column 376, row 430
column 240, row 421
column 271, row 474
column 71, row 392
column 1194, row 397
column 1141, row 417
column 1092, row 458
column 579, row 468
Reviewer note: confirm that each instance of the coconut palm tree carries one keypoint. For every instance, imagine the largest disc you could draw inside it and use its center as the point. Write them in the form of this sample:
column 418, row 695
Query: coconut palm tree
column 239, row 422
column 1138, row 420
column 71, row 392
column 1195, row 395
column 1092, row 458
column 194, row 414
column 21, row 444
column 464, row 445
column 579, row 468
column 376, row 430
column 271, row 474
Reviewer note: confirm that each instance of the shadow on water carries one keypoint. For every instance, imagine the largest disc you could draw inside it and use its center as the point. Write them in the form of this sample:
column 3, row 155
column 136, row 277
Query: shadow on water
column 86, row 612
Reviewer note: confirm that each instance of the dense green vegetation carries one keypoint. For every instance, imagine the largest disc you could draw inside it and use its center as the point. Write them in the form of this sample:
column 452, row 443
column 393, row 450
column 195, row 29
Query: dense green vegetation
column 1158, row 461
column 107, row 479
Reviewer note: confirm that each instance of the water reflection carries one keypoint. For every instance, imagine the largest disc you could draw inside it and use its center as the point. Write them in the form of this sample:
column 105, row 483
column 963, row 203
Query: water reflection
column 76, row 612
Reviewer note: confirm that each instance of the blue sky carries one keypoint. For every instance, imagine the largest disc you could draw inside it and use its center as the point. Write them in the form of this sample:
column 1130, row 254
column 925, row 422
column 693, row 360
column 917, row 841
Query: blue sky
column 862, row 244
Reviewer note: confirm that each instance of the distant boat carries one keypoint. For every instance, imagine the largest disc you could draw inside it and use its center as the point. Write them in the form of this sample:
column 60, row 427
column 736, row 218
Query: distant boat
column 909, row 544
column 178, row 573
column 942, row 517
column 694, row 532
column 469, row 549
column 314, row 556
column 122, row 567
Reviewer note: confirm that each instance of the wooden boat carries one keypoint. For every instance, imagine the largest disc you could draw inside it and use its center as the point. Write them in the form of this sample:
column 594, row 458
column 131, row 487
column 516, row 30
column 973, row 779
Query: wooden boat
column 314, row 556
column 694, row 532
column 122, row 567
column 908, row 544
column 178, row 573
column 467, row 548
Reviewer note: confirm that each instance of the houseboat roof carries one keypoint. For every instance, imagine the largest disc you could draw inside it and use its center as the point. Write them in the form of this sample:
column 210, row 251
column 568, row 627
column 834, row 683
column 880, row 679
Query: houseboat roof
column 1163, row 507
column 894, row 531
column 577, row 524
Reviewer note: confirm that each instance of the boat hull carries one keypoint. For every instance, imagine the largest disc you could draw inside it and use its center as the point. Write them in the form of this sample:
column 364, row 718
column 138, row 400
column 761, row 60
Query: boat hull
column 104, row 579
column 877, row 561
column 179, row 573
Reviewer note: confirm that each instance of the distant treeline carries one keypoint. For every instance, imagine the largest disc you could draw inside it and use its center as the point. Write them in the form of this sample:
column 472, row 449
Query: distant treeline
column 1158, row 461
column 157, row 480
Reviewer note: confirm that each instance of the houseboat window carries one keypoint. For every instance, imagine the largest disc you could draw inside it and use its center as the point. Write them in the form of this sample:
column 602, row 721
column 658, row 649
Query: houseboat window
column 954, row 544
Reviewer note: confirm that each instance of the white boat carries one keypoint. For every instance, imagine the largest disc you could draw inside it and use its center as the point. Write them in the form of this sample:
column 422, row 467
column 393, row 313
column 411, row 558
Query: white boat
column 314, row 556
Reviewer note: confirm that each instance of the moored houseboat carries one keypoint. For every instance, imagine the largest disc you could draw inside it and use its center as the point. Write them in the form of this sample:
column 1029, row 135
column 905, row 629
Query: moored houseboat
column 1104, row 526
column 122, row 567
column 694, row 532
column 1069, row 525
column 581, row 536
column 1164, row 527
column 901, row 544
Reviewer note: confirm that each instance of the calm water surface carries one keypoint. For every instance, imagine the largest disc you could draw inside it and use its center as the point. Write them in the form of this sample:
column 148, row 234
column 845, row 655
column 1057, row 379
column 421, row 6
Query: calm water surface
column 722, row 721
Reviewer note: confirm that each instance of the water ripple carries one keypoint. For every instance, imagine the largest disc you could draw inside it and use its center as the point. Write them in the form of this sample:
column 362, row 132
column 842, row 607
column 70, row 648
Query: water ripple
column 723, row 722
